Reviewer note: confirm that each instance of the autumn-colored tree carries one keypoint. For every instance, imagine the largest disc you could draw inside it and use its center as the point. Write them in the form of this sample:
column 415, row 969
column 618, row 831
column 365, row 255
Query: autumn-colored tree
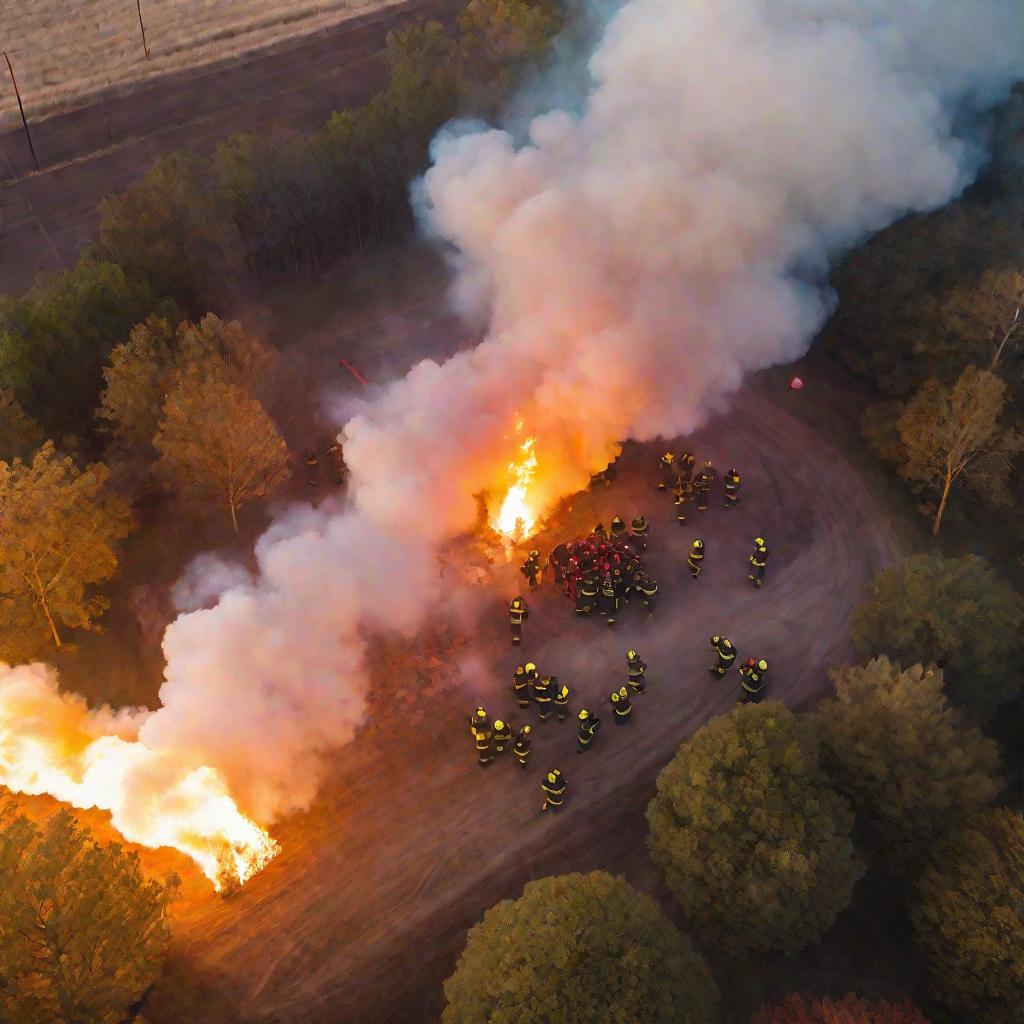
column 949, row 433
column 892, row 746
column 20, row 435
column 969, row 919
column 215, row 346
column 753, row 841
column 82, row 932
column 217, row 443
column 55, row 339
column 579, row 949
column 57, row 529
column 172, row 230
column 850, row 1009
column 954, row 612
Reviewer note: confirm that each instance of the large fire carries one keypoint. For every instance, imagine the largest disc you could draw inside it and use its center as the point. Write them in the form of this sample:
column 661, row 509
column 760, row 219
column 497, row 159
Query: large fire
column 50, row 742
column 515, row 518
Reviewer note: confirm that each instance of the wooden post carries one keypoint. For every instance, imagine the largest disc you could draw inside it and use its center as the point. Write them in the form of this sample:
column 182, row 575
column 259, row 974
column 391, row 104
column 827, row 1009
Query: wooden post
column 24, row 120
column 145, row 45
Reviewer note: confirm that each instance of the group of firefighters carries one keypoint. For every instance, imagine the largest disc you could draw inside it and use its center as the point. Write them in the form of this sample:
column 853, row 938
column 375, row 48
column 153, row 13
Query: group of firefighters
column 598, row 573
column 552, row 699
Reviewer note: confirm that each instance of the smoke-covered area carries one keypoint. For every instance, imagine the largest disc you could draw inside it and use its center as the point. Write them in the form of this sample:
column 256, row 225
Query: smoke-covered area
column 635, row 261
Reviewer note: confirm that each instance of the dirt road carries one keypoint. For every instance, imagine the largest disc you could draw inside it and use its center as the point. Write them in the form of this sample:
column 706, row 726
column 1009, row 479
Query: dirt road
column 47, row 216
column 361, row 917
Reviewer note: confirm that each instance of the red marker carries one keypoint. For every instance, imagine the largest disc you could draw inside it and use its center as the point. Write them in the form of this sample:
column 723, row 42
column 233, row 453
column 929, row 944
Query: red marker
column 355, row 373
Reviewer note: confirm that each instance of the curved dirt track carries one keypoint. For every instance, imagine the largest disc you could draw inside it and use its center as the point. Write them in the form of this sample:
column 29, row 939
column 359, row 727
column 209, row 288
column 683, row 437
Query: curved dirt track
column 361, row 917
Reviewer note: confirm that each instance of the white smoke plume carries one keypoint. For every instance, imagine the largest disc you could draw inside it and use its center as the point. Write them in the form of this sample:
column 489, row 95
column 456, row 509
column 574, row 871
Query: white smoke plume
column 635, row 261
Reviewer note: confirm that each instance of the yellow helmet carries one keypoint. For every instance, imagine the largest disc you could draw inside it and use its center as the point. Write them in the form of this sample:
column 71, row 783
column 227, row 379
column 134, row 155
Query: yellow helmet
column 516, row 602
column 615, row 696
column 630, row 655
column 563, row 692
column 535, row 553
column 668, row 456
column 759, row 541
column 584, row 714
column 623, row 692
column 552, row 777
column 480, row 713
column 698, row 543
column 526, row 730
column 763, row 665
column 530, row 667
column 499, row 724
column 715, row 639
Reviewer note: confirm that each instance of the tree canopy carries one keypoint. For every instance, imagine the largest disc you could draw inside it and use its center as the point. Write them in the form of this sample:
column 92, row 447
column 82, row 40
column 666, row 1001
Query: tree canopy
column 969, row 919
column 753, row 841
column 82, row 932
column 893, row 747
column 20, row 435
column 579, row 949
column 217, row 443
column 55, row 339
column 955, row 612
column 58, row 525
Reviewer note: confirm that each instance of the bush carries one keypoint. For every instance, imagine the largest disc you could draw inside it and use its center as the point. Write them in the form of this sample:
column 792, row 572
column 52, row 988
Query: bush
column 893, row 748
column 753, row 841
column 579, row 949
column 969, row 919
column 955, row 612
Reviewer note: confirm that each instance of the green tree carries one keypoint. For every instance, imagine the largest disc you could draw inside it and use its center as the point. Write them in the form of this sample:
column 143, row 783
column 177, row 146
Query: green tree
column 579, row 949
column 945, row 434
column 55, row 339
column 892, row 746
column 57, row 529
column 848, row 1010
column 82, row 932
column 969, row 919
column 172, row 229
column 217, row 443
column 20, row 435
column 752, row 840
column 955, row 612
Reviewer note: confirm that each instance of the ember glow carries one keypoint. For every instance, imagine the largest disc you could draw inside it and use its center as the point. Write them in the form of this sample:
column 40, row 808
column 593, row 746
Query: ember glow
column 516, row 519
column 51, row 742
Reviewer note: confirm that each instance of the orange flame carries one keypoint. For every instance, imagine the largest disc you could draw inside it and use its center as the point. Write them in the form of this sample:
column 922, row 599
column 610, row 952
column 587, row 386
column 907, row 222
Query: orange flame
column 50, row 742
column 515, row 518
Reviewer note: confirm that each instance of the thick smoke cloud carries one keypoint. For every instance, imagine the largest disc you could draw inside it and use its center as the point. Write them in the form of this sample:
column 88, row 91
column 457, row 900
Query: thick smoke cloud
column 635, row 261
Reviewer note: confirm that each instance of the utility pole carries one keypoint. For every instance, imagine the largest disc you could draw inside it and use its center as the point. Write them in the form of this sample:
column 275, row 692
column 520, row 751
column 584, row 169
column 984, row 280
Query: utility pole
column 145, row 45
column 24, row 120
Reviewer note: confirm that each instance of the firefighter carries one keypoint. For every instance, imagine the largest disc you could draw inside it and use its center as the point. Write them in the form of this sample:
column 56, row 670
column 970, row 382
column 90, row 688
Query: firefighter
column 600, row 532
column 667, row 467
column 636, row 669
column 621, row 707
column 553, row 785
column 521, row 686
column 559, row 562
column 618, row 529
column 312, row 467
column 722, row 645
column 586, row 595
column 542, row 691
column 696, row 559
column 337, row 461
column 560, row 698
column 752, row 681
column 758, row 560
column 480, row 727
column 502, row 734
column 521, row 747
column 681, row 494
column 608, row 600
column 638, row 533
column 517, row 615
column 531, row 569
column 705, row 479
column 684, row 467
column 731, row 481
column 589, row 724
column 648, row 592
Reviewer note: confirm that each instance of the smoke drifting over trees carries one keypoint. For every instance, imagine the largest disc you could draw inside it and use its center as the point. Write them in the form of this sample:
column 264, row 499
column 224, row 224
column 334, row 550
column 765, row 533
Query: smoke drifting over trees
column 635, row 262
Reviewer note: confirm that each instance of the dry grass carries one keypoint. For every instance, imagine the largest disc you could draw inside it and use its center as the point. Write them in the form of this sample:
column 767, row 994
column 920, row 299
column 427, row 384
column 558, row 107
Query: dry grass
column 64, row 51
